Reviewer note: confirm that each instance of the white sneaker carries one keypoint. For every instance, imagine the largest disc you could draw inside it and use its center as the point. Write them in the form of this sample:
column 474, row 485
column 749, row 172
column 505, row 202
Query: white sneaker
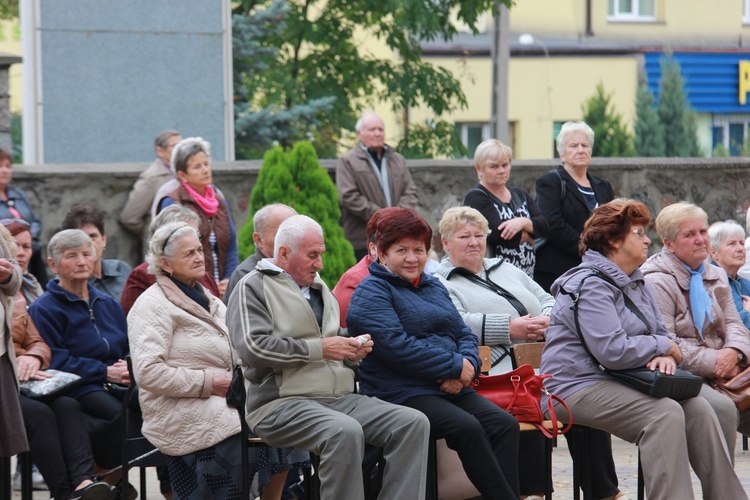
column 37, row 481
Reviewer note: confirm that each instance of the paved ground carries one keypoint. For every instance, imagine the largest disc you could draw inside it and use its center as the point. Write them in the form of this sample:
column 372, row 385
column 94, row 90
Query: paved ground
column 626, row 458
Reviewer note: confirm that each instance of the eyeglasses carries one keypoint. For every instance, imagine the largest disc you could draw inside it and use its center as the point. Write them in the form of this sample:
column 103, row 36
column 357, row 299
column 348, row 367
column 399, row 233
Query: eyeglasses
column 10, row 222
column 639, row 232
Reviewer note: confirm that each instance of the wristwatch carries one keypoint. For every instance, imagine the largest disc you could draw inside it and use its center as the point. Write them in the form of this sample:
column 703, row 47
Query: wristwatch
column 740, row 357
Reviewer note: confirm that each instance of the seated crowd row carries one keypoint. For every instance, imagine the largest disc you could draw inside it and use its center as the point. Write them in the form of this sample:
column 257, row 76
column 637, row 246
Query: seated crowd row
column 411, row 336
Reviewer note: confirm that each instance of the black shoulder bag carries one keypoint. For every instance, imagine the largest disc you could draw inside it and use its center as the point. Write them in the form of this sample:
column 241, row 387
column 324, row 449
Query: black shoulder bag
column 681, row 385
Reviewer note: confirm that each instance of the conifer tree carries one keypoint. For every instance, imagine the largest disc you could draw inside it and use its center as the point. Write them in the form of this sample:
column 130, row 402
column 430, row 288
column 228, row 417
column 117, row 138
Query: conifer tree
column 675, row 114
column 296, row 178
column 611, row 137
column 649, row 133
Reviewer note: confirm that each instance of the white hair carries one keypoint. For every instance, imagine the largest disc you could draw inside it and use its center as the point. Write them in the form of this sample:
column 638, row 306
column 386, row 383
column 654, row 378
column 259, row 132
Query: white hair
column 361, row 122
column 720, row 231
column 162, row 244
column 570, row 127
column 291, row 232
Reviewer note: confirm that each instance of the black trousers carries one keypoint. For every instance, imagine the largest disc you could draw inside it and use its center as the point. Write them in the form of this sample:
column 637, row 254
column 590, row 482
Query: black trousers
column 601, row 471
column 59, row 443
column 103, row 415
column 484, row 436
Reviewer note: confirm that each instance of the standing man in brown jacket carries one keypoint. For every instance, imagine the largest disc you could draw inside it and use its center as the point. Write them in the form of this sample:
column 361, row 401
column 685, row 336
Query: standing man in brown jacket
column 371, row 176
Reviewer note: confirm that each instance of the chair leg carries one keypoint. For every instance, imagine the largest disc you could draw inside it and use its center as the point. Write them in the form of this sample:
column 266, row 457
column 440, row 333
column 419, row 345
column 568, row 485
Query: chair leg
column 548, row 445
column 641, row 485
column 27, row 483
column 744, row 443
column 432, row 477
column 143, row 483
column 6, row 483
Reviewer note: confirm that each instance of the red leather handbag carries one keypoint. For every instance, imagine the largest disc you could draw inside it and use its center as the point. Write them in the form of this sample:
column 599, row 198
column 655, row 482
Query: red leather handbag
column 520, row 393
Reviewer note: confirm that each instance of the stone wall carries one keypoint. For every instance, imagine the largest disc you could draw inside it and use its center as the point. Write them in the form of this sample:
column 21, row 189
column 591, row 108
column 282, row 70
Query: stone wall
column 720, row 185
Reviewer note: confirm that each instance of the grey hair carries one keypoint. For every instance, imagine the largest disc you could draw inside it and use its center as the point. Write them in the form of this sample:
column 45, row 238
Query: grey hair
column 162, row 244
column 719, row 231
column 361, row 122
column 162, row 140
column 173, row 213
column 570, row 127
column 263, row 216
column 291, row 232
column 186, row 148
column 67, row 239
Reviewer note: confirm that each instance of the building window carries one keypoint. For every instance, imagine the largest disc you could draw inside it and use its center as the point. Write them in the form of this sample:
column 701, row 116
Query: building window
column 472, row 135
column 632, row 10
column 730, row 134
column 746, row 11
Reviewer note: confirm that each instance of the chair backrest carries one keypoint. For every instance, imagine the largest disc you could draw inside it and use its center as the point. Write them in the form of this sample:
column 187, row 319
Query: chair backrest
column 485, row 356
column 527, row 354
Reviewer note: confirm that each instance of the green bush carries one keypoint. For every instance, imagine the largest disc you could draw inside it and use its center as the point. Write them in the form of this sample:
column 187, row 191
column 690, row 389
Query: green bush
column 297, row 179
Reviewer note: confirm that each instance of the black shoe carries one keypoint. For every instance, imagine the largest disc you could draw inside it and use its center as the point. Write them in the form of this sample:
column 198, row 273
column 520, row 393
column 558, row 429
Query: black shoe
column 94, row 491
column 130, row 492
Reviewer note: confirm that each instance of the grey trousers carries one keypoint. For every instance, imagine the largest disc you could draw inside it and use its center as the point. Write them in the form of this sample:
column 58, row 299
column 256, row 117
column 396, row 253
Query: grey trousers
column 670, row 435
column 338, row 430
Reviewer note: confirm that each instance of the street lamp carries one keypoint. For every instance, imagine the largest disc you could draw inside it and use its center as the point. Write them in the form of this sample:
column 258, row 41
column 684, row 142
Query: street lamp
column 528, row 39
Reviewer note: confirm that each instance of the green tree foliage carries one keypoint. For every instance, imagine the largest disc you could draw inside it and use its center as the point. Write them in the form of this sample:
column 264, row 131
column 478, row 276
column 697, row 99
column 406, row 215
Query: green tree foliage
column 675, row 114
column 296, row 178
column 433, row 139
column 8, row 9
column 649, row 132
column 310, row 51
column 611, row 137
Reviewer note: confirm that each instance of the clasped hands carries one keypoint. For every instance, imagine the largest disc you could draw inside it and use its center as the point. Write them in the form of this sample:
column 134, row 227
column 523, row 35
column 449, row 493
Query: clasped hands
column 456, row 385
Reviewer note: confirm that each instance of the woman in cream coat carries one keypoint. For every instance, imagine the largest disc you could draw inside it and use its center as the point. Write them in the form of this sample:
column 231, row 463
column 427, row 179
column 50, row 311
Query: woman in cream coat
column 183, row 361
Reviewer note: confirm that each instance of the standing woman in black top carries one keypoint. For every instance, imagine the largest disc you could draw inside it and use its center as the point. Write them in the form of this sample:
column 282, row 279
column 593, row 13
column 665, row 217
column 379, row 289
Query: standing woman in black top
column 566, row 197
column 514, row 218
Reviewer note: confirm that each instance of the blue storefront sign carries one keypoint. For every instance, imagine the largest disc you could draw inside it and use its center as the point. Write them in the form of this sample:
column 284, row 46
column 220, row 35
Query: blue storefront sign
column 715, row 82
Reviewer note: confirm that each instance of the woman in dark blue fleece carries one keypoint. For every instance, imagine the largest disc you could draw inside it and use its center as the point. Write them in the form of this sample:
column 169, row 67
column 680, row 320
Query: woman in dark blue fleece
column 87, row 333
column 425, row 356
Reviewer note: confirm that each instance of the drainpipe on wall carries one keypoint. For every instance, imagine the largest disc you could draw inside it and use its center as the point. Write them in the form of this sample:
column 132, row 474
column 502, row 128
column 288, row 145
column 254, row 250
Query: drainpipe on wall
column 589, row 31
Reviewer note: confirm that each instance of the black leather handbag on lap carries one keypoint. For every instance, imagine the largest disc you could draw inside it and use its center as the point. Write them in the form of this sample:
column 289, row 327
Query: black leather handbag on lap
column 681, row 385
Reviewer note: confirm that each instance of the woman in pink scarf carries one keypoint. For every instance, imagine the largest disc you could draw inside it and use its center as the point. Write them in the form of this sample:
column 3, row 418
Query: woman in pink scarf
column 190, row 164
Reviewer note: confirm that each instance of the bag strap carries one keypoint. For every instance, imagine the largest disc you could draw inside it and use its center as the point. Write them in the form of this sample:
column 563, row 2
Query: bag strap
column 563, row 184
column 492, row 286
column 553, row 417
column 577, row 295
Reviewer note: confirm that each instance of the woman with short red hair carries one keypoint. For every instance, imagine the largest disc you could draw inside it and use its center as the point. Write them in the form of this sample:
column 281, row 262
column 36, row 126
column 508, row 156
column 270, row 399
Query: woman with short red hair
column 425, row 356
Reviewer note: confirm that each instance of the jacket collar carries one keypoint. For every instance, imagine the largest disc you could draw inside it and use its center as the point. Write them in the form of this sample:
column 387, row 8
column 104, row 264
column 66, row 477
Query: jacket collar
column 446, row 269
column 596, row 186
column 177, row 297
column 54, row 288
column 667, row 262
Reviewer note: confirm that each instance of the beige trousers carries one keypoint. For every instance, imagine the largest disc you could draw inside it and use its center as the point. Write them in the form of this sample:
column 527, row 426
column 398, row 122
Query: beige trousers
column 670, row 435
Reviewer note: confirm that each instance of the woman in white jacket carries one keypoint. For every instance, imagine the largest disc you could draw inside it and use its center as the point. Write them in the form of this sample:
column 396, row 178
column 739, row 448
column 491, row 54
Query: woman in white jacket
column 183, row 361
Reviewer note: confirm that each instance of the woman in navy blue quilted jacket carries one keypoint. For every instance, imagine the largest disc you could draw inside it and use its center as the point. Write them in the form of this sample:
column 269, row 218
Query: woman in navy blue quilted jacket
column 425, row 356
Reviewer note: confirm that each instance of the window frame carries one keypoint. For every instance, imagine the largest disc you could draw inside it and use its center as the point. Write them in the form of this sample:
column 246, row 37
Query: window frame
column 635, row 15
